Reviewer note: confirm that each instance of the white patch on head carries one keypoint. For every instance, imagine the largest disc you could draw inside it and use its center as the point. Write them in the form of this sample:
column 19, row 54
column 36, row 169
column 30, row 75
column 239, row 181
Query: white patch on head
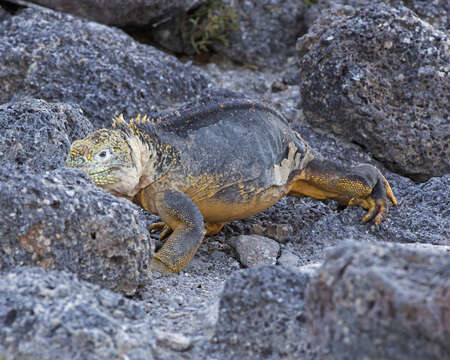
column 128, row 186
column 131, row 177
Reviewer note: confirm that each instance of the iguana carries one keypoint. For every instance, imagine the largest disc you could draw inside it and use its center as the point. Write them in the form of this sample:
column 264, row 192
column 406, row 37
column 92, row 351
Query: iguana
column 204, row 165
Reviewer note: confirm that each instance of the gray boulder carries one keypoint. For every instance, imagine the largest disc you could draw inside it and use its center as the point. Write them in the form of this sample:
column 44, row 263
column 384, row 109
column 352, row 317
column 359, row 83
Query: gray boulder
column 120, row 13
column 288, row 259
column 378, row 76
column 57, row 57
column 38, row 134
column 256, row 250
column 60, row 220
column 384, row 301
column 261, row 316
column 435, row 12
column 52, row 315
column 266, row 34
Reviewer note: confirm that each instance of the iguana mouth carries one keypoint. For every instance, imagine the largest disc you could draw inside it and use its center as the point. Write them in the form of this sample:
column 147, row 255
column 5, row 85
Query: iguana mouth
column 98, row 172
column 102, row 177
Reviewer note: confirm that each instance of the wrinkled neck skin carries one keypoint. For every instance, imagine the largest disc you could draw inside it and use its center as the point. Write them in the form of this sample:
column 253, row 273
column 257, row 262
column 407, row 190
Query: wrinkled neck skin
column 134, row 178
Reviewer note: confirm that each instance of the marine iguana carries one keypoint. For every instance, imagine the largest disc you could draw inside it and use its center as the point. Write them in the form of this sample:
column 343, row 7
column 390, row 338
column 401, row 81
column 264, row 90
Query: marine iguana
column 204, row 165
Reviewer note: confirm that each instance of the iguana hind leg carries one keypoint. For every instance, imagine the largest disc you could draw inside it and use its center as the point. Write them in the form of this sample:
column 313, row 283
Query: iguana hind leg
column 362, row 185
column 182, row 216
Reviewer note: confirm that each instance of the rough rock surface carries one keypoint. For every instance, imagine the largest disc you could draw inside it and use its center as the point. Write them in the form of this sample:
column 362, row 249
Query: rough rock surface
column 256, row 250
column 3, row 13
column 261, row 316
column 257, row 84
column 121, row 13
column 57, row 57
column 38, row 134
column 384, row 75
column 60, row 220
column 267, row 32
column 182, row 309
column 384, row 301
column 53, row 315
column 288, row 259
column 434, row 12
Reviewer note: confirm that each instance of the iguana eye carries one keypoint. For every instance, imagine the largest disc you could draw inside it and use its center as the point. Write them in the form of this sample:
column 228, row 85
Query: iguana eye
column 103, row 155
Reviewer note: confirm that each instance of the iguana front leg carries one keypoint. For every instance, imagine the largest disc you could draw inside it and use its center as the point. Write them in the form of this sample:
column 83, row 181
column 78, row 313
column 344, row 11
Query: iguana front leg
column 182, row 216
column 362, row 185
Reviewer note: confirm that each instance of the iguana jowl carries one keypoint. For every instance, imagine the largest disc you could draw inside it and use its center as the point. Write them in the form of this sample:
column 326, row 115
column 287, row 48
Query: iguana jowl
column 203, row 166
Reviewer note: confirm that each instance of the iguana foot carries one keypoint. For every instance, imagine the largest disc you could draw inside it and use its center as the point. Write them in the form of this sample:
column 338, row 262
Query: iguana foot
column 159, row 266
column 213, row 228
column 377, row 202
column 166, row 230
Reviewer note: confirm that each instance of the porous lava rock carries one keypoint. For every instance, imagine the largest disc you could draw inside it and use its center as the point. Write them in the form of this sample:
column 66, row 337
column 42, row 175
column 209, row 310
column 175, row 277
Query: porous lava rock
column 386, row 301
column 60, row 220
column 59, row 57
column 435, row 12
column 53, row 315
column 261, row 316
column 38, row 134
column 266, row 33
column 379, row 76
column 118, row 12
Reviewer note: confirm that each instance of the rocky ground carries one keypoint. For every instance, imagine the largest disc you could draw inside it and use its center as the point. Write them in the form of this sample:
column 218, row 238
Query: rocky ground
column 362, row 81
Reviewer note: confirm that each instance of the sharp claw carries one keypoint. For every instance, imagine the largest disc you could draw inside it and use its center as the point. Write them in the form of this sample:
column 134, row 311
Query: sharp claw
column 166, row 232
column 156, row 226
column 369, row 216
column 389, row 192
column 382, row 211
column 380, row 218
column 377, row 202
column 371, row 212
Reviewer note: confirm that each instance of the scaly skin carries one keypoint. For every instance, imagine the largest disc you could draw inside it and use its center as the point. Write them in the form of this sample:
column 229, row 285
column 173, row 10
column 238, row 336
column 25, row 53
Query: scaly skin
column 203, row 166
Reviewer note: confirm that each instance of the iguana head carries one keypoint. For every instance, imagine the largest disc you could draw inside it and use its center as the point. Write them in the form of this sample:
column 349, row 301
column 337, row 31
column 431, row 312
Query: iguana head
column 111, row 158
